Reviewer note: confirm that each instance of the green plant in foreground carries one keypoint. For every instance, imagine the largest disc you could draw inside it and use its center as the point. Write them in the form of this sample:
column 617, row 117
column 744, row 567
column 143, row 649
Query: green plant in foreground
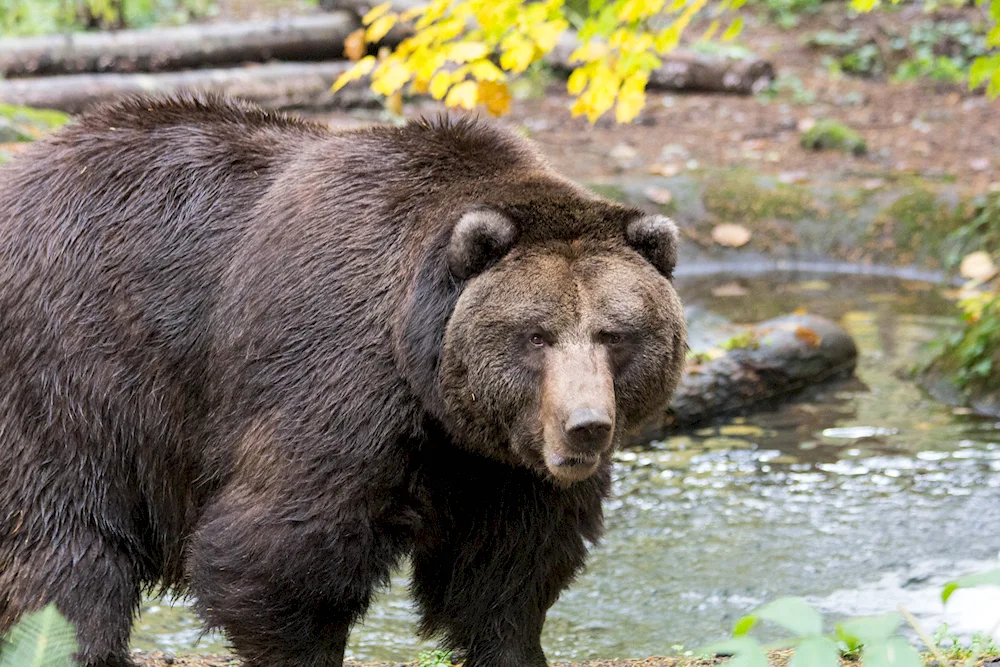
column 828, row 134
column 436, row 658
column 875, row 639
column 953, row 649
column 41, row 639
column 971, row 356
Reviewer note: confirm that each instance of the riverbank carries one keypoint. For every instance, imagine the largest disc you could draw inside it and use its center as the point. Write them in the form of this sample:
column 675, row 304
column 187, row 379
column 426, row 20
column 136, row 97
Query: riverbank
column 777, row 659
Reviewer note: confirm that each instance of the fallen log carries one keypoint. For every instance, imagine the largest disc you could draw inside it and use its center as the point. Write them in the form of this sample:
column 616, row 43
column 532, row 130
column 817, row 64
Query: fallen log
column 301, row 38
column 689, row 70
column 775, row 359
column 273, row 86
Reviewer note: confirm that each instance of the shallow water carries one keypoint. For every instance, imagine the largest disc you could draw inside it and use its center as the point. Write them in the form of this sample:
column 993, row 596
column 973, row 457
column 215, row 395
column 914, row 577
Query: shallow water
column 860, row 496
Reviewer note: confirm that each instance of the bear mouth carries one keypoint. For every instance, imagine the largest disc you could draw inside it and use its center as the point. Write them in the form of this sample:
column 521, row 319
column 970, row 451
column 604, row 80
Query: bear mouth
column 571, row 468
column 560, row 461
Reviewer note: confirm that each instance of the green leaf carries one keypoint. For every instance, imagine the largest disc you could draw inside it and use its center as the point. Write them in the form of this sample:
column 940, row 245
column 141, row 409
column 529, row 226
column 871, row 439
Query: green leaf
column 868, row 630
column 895, row 652
column 982, row 69
column 744, row 625
column 982, row 579
column 41, row 639
column 793, row 614
column 746, row 652
column 815, row 652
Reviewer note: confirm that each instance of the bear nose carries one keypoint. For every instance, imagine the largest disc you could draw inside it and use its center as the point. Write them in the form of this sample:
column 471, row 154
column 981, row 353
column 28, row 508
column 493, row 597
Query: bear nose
column 588, row 429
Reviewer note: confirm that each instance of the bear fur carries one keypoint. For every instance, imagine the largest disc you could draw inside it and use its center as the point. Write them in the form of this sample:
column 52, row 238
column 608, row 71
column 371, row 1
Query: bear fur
column 260, row 362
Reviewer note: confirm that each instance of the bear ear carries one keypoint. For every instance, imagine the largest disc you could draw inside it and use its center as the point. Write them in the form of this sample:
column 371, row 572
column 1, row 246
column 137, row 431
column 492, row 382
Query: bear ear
column 655, row 237
column 481, row 237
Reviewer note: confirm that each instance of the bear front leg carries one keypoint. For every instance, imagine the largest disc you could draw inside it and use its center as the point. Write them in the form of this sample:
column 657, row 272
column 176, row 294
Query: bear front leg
column 287, row 578
column 92, row 583
column 504, row 545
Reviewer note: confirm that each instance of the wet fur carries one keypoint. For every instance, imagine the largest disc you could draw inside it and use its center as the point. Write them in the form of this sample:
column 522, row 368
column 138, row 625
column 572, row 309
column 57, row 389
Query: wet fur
column 221, row 335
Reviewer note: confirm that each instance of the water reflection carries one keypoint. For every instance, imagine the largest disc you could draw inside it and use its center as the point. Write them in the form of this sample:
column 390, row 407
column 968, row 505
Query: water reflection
column 840, row 496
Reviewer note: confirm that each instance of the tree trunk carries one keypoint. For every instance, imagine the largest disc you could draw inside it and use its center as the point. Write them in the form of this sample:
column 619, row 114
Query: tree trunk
column 318, row 37
column 275, row 86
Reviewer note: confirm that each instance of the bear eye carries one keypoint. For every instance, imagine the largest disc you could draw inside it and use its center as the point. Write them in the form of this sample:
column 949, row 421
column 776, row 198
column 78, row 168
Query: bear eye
column 611, row 338
column 537, row 340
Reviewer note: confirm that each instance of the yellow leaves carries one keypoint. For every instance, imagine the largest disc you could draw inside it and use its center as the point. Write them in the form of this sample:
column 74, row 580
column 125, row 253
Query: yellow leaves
column 355, row 46
column 518, row 53
column 464, row 95
column 376, row 12
column 577, row 81
column 733, row 30
column 631, row 97
column 440, row 84
column 668, row 38
column 600, row 95
column 484, row 70
column 710, row 31
column 380, row 27
column 589, row 52
column 360, row 69
column 863, row 5
column 496, row 97
column 546, row 34
column 391, row 76
column 636, row 10
column 463, row 52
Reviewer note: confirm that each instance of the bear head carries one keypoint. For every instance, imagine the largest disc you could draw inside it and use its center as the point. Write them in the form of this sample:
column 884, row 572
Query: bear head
column 566, row 331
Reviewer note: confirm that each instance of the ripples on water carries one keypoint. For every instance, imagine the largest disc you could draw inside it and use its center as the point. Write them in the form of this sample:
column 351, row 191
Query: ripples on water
column 860, row 496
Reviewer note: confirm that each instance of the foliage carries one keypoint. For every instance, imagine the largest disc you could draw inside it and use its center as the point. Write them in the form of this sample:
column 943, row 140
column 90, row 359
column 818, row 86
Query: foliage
column 35, row 121
column 34, row 17
column 954, row 649
column 465, row 51
column 937, row 50
column 876, row 639
column 742, row 341
column 41, row 639
column 786, row 12
column 970, row 357
column 788, row 87
column 828, row 134
column 434, row 659
column 979, row 230
column 458, row 45
column 739, row 196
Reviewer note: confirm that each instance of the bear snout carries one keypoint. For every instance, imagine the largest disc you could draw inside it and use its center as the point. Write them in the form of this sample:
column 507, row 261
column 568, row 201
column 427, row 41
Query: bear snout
column 588, row 430
column 578, row 410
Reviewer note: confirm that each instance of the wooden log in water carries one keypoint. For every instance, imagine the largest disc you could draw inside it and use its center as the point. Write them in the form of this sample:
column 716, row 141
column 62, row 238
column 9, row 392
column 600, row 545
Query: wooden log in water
column 779, row 358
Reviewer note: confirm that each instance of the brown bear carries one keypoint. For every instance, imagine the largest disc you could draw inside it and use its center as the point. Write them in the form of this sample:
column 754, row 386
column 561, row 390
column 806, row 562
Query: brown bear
column 260, row 362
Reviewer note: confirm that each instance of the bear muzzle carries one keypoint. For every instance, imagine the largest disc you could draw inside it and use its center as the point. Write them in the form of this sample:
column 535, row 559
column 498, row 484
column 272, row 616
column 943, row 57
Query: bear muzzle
column 578, row 411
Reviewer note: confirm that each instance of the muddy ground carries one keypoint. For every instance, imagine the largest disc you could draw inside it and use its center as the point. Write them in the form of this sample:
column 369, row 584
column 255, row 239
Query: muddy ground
column 932, row 130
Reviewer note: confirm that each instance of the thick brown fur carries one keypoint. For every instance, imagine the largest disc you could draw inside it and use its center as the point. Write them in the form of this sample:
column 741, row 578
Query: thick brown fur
column 237, row 360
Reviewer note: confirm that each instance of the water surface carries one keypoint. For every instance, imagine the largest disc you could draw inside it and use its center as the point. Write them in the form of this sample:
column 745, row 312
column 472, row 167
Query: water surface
column 860, row 495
